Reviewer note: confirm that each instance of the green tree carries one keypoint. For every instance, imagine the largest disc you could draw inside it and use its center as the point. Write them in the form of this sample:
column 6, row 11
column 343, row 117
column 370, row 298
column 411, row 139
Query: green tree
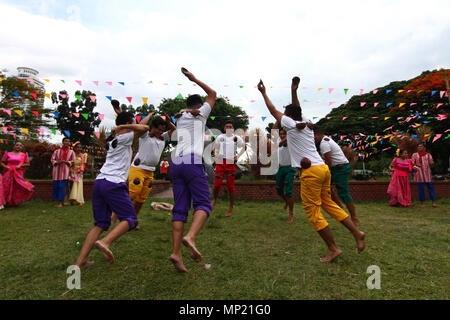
column 22, row 106
column 77, row 116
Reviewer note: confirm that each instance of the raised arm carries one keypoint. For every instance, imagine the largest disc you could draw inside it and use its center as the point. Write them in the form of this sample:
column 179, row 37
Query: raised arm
column 146, row 120
column 273, row 111
column 211, row 94
column 137, row 128
column 171, row 126
column 294, row 88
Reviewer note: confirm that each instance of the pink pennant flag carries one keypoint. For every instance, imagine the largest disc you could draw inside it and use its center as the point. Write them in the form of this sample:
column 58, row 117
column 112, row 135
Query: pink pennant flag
column 95, row 82
column 330, row 90
column 439, row 104
column 93, row 98
column 375, row 91
column 252, row 101
column 129, row 99
column 441, row 117
column 36, row 113
column 344, row 118
column 63, row 95
column 163, row 117
column 442, row 93
column 350, row 146
column 76, row 114
column 342, row 137
column 437, row 137
column 328, row 118
column 374, row 117
column 361, row 91
column 101, row 116
column 5, row 130
column 447, row 130
column 399, row 118
column 363, row 104
column 7, row 111
column 79, row 82
column 34, row 95
column 81, row 132
column 109, row 83
column 412, row 104
column 345, row 103
column 330, row 103
column 165, row 83
column 97, row 134
column 41, row 131
column 138, row 118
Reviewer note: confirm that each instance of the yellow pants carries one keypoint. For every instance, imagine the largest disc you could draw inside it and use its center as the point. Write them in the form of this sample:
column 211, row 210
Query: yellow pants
column 316, row 193
column 140, row 184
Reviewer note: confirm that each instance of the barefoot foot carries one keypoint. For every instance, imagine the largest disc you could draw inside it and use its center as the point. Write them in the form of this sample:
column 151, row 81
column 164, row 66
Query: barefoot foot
column 105, row 250
column 229, row 212
column 360, row 242
column 85, row 264
column 178, row 263
column 195, row 254
column 213, row 204
column 291, row 218
column 331, row 255
column 355, row 220
column 285, row 206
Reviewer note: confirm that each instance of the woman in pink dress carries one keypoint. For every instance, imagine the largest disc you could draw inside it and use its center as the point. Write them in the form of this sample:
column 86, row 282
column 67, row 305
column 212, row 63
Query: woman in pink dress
column 16, row 188
column 399, row 188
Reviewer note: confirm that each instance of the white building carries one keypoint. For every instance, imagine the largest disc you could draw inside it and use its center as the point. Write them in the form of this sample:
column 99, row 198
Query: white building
column 31, row 75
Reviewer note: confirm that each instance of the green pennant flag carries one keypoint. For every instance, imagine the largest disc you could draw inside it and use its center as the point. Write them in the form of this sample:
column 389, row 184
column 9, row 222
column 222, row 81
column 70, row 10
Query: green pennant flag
column 214, row 136
column 78, row 97
column 425, row 104
column 180, row 97
column 150, row 81
column 241, row 86
column 212, row 118
column 345, row 90
column 360, row 117
column 63, row 81
column 85, row 115
column 54, row 131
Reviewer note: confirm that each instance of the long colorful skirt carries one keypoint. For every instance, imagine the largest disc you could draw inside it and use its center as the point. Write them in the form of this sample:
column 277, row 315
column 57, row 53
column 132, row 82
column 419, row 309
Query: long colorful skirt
column 400, row 191
column 16, row 188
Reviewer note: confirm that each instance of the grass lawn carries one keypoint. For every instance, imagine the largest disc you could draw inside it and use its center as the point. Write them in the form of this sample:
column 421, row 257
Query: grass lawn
column 254, row 254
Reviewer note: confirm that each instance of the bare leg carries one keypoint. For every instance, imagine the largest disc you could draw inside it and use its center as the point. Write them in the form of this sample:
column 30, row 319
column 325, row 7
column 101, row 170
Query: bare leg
column 88, row 244
column 290, row 203
column 216, row 194
column 433, row 203
column 285, row 201
column 230, row 209
column 137, row 208
column 176, row 257
column 198, row 222
column 359, row 236
column 104, row 244
column 333, row 250
column 352, row 210
column 114, row 217
column 335, row 197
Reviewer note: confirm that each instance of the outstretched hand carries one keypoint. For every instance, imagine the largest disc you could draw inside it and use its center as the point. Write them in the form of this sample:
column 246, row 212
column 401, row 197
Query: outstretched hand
column 295, row 83
column 188, row 74
column 261, row 87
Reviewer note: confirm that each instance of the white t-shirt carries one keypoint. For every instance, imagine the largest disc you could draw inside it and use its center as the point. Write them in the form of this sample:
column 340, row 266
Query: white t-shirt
column 150, row 149
column 337, row 155
column 228, row 147
column 117, row 164
column 300, row 143
column 190, row 132
column 284, row 157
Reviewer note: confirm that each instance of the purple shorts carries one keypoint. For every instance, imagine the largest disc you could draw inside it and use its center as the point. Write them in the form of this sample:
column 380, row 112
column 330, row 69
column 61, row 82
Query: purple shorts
column 108, row 197
column 190, row 182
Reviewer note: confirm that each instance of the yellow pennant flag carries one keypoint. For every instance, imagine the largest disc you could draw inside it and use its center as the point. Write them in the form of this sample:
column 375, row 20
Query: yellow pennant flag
column 402, row 104
column 25, row 130
column 319, row 89
column 418, row 124
column 401, row 90
column 46, row 80
column 385, row 118
column 19, row 112
column 144, row 100
column 47, row 95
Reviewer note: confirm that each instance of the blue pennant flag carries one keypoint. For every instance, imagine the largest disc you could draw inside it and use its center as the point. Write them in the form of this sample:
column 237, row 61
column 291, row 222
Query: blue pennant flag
column 173, row 119
column 122, row 83
column 388, row 90
column 263, row 118
column 16, row 94
column 67, row 132
column 109, row 98
column 56, row 114
column 388, row 104
column 433, row 92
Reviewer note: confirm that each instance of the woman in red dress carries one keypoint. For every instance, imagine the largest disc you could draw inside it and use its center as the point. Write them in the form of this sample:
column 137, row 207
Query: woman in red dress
column 399, row 188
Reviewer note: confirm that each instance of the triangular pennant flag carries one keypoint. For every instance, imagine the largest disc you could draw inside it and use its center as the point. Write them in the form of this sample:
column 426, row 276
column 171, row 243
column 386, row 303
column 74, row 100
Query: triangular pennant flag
column 5, row 130
column 401, row 90
column 95, row 82
column 330, row 90
column 145, row 100
column 93, row 98
column 363, row 104
column 388, row 104
column 345, row 90
column 78, row 96
column 129, row 99
column 212, row 117
column 241, row 87
column 401, row 104
column 56, row 114
column 252, row 101
column 263, row 118
column 46, row 80
column 412, row 104
column 122, row 83
column 109, row 98
column 344, row 118
column 442, row 93
column 388, row 90
column 97, row 134
column 385, row 118
column 79, row 82
column 109, row 83
column 138, row 118
column 67, row 133
column 81, row 132
column 53, row 131
column 34, row 95
column 375, row 104
column 173, row 119
column 433, row 92
column 375, row 91
column 19, row 112
column 85, row 115
column 439, row 104
column 76, row 114
column 330, row 103
column 16, row 94
column 179, row 96
column 47, row 95
column 361, row 91
column 36, row 113
column 319, row 89
column 101, row 116
column 63, row 81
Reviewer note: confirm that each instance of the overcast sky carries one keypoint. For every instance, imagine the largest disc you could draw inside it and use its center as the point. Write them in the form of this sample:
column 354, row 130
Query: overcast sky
column 227, row 44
